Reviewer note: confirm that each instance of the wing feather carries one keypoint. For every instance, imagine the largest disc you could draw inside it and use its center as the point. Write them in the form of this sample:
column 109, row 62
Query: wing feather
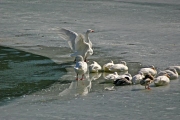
column 80, row 43
column 70, row 36
column 81, row 47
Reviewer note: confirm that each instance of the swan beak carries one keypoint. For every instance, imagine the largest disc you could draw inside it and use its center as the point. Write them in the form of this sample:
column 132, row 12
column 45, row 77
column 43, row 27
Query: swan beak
column 92, row 30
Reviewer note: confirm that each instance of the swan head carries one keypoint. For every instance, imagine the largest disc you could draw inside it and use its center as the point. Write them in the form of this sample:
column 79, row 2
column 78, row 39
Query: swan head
column 94, row 62
column 115, row 73
column 141, row 73
column 111, row 62
column 89, row 31
column 124, row 62
column 152, row 67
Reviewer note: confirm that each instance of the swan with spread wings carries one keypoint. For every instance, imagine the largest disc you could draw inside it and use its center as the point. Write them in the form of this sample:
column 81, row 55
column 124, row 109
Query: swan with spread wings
column 80, row 44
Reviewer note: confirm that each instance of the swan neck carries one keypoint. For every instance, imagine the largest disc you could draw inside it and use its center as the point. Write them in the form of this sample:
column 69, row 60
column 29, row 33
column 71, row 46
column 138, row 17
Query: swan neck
column 87, row 36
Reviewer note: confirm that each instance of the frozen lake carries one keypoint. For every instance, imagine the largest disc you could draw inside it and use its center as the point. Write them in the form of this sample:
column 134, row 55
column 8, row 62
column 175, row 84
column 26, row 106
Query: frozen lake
column 36, row 71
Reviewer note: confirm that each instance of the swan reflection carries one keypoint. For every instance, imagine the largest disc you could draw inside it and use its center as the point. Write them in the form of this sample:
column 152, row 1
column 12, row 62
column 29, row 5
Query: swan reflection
column 77, row 87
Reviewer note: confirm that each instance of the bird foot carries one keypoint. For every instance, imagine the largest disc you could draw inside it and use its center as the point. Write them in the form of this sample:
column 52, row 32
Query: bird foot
column 149, row 88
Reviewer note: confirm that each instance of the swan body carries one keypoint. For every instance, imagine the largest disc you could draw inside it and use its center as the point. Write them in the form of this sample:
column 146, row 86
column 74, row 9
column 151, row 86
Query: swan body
column 175, row 67
column 107, row 66
column 79, row 44
column 137, row 78
column 127, row 75
column 94, row 67
column 111, row 77
column 171, row 72
column 150, row 70
column 80, row 67
column 119, row 67
column 162, row 80
column 123, row 80
column 147, row 80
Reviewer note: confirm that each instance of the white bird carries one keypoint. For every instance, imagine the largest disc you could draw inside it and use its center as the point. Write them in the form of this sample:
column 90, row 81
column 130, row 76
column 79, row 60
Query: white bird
column 127, row 75
column 137, row 78
column 171, row 72
column 79, row 44
column 107, row 66
column 112, row 77
column 175, row 67
column 80, row 67
column 94, row 67
column 150, row 70
column 162, row 80
column 121, row 67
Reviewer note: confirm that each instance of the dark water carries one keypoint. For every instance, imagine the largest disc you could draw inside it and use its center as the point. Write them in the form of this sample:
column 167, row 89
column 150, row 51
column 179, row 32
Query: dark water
column 23, row 73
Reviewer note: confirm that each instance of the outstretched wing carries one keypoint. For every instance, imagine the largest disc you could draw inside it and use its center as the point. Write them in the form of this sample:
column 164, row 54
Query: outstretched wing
column 70, row 36
column 82, row 47
column 80, row 44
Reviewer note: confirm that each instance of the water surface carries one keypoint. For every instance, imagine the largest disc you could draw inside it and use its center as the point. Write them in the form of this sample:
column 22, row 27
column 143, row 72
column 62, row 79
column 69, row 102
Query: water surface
column 36, row 72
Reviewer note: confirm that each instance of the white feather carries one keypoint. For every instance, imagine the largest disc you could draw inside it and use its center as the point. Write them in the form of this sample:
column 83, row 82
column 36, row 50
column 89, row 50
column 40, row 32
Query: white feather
column 79, row 44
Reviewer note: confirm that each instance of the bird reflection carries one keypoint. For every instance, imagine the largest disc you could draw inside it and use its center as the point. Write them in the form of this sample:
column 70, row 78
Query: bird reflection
column 94, row 76
column 80, row 87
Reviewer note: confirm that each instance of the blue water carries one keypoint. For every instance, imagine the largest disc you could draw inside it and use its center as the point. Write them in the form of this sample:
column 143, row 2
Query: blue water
column 36, row 72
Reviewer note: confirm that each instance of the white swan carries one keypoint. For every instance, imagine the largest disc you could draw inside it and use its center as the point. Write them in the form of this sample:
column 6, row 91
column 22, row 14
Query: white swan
column 112, row 77
column 175, row 67
column 127, row 75
column 79, row 44
column 137, row 78
column 94, row 67
column 80, row 67
column 171, row 72
column 149, row 70
column 162, row 80
column 121, row 67
column 107, row 66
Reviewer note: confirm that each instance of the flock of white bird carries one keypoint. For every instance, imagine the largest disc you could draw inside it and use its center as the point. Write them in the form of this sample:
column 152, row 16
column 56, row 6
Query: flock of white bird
column 82, row 48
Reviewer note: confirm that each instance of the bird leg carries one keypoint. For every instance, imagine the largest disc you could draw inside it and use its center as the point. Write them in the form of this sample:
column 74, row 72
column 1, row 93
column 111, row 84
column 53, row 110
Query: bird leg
column 77, row 77
column 85, row 60
column 82, row 77
column 148, row 87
